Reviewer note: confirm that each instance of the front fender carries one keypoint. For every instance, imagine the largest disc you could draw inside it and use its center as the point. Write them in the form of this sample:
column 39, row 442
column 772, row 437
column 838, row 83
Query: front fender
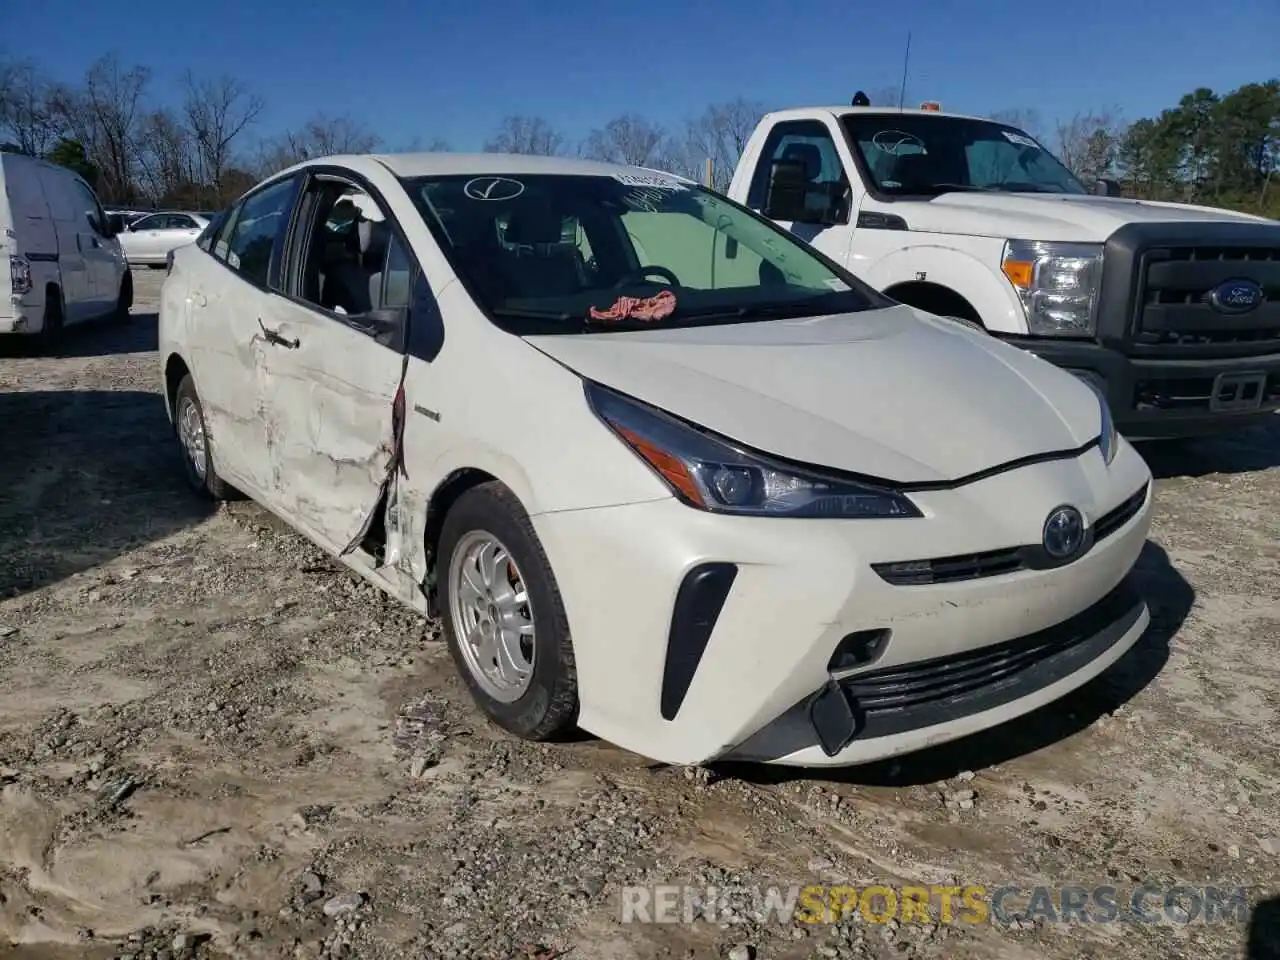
column 989, row 293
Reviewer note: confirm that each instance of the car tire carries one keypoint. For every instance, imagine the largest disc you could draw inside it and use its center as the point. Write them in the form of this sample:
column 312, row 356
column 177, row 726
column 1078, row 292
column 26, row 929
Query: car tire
column 194, row 446
column 51, row 327
column 124, row 302
column 546, row 706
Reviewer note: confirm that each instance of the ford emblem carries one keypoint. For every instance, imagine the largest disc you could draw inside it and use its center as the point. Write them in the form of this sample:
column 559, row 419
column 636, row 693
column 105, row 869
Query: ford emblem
column 1236, row 296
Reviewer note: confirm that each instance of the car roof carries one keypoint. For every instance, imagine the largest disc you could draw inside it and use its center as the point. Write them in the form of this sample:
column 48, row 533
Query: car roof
column 801, row 113
column 443, row 164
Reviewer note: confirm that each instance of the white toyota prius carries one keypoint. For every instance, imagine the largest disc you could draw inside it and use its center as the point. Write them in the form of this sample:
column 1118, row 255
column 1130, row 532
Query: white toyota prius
column 666, row 473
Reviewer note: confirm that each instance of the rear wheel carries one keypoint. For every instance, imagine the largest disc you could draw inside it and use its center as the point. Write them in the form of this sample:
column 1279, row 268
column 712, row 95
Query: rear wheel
column 503, row 616
column 193, row 439
column 124, row 302
column 51, row 326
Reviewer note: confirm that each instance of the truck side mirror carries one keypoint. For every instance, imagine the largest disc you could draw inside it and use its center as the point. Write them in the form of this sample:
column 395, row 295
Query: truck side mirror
column 1106, row 188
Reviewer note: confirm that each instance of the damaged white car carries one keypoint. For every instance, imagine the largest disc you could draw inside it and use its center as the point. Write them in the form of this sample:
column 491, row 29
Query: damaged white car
column 667, row 473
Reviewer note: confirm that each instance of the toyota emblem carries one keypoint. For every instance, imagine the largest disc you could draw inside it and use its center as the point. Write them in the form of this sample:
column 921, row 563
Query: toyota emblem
column 1063, row 532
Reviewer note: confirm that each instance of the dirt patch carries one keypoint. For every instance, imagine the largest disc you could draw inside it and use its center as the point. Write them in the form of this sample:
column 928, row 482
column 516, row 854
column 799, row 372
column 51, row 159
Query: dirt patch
column 215, row 742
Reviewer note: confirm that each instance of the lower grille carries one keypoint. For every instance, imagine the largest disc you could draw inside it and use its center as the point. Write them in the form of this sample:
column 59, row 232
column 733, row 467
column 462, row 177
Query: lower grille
column 1193, row 393
column 994, row 563
column 916, row 694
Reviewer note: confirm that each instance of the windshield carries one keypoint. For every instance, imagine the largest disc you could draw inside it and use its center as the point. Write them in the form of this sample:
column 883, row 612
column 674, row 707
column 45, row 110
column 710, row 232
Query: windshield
column 923, row 155
column 554, row 253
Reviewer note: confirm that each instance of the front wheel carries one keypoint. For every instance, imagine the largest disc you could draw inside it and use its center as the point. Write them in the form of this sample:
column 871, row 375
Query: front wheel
column 503, row 616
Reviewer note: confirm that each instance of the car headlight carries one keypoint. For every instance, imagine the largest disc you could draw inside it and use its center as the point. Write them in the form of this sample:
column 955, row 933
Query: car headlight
column 711, row 473
column 1109, row 438
column 1058, row 284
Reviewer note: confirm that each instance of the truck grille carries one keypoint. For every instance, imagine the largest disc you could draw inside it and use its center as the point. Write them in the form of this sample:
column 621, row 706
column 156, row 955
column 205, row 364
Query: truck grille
column 1172, row 312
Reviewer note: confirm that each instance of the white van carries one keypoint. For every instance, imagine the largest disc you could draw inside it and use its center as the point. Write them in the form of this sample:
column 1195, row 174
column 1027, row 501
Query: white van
column 59, row 249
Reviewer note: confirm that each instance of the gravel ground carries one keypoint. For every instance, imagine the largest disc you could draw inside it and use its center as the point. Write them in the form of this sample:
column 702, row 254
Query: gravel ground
column 215, row 742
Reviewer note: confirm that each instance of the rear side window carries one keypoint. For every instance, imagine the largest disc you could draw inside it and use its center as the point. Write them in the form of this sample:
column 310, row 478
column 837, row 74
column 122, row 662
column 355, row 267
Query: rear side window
column 807, row 141
column 250, row 238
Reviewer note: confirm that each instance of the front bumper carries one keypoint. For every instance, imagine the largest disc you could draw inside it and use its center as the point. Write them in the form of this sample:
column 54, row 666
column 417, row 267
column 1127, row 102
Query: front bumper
column 1155, row 399
column 731, row 668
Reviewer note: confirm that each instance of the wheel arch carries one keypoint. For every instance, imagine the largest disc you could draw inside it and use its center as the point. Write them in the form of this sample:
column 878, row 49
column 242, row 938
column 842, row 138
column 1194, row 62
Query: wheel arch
column 175, row 369
column 934, row 298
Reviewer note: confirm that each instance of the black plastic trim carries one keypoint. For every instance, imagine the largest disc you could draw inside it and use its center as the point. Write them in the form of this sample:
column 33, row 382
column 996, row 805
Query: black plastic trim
column 698, row 604
column 40, row 257
column 911, row 696
column 1123, row 269
column 1001, row 562
column 874, row 220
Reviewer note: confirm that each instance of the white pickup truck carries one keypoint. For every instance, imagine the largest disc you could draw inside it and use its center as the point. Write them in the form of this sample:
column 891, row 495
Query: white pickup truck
column 1173, row 311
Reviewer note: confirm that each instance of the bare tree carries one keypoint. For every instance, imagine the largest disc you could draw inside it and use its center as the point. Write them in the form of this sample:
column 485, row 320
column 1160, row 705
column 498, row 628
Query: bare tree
column 627, row 139
column 106, row 117
column 529, row 135
column 1025, row 119
column 168, row 160
column 321, row 136
column 26, row 119
column 438, row 145
column 1088, row 143
column 720, row 135
column 216, row 113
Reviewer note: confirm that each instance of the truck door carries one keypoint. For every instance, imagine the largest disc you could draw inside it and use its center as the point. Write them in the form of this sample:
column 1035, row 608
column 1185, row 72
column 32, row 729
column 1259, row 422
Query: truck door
column 812, row 143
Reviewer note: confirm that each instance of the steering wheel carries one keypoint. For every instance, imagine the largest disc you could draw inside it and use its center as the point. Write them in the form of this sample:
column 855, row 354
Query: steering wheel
column 638, row 276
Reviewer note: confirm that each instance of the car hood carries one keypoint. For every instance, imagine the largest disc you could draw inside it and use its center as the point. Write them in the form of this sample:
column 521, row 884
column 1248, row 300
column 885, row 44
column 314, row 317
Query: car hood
column 891, row 393
column 1022, row 216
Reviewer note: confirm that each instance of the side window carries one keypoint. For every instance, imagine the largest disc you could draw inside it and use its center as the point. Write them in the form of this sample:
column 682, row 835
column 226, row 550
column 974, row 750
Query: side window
column 808, row 141
column 351, row 262
column 91, row 207
column 398, row 276
column 181, row 222
column 221, row 232
column 150, row 223
column 253, row 235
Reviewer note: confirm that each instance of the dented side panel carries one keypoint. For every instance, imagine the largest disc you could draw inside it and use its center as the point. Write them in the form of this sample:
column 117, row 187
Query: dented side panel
column 226, row 358
column 328, row 411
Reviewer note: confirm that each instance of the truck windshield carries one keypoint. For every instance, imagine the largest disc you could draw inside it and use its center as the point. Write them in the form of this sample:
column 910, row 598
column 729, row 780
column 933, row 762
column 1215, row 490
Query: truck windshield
column 926, row 155
column 561, row 253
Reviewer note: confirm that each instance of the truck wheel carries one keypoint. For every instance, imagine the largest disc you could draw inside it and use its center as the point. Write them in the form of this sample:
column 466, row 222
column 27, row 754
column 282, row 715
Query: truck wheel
column 503, row 616
column 193, row 439
column 51, row 326
column 124, row 302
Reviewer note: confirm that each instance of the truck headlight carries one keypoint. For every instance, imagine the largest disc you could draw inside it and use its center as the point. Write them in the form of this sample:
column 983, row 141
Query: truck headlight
column 1057, row 283
column 711, row 473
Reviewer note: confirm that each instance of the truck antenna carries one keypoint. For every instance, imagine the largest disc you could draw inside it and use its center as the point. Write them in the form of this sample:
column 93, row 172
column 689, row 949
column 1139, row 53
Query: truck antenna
column 906, row 58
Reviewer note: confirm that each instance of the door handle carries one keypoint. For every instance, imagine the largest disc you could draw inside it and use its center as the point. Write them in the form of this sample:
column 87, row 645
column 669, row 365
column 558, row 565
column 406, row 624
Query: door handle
column 273, row 336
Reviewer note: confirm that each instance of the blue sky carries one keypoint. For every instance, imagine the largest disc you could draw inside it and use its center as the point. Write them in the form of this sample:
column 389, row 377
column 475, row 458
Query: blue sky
column 452, row 69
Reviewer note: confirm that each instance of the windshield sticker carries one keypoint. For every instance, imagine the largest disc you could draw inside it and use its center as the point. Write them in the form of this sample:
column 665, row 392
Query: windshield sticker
column 1020, row 140
column 638, row 308
column 492, row 188
column 647, row 200
column 649, row 180
column 838, row 285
